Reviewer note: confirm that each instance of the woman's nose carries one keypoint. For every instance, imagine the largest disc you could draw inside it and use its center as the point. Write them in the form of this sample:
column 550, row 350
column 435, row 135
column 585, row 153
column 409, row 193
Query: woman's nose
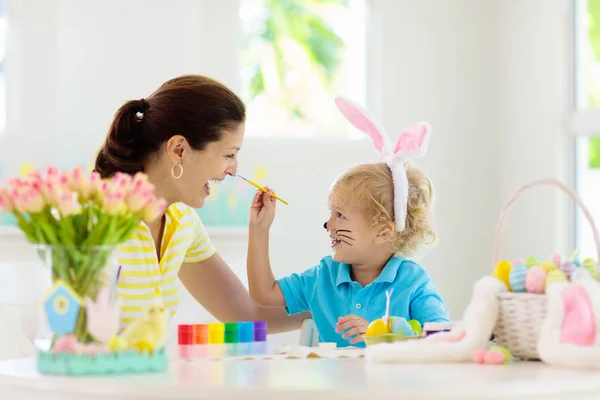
column 325, row 225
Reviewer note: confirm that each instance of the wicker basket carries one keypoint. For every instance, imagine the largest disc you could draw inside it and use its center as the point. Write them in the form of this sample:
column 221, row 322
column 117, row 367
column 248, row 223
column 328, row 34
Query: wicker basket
column 521, row 315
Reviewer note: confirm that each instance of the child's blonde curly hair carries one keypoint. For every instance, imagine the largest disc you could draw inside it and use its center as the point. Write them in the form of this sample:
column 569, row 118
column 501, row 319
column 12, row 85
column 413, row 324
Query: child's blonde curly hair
column 370, row 187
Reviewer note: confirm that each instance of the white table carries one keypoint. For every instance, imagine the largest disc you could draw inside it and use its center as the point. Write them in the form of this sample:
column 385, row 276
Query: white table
column 308, row 378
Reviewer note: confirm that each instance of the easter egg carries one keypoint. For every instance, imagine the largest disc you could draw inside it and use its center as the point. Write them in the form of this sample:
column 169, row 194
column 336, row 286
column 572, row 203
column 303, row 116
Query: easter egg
column 531, row 261
column 416, row 327
column 502, row 272
column 590, row 266
column 555, row 276
column 377, row 327
column 548, row 266
column 556, row 259
column 567, row 267
column 535, row 282
column 518, row 261
column 517, row 276
column 400, row 326
column 498, row 355
column 577, row 262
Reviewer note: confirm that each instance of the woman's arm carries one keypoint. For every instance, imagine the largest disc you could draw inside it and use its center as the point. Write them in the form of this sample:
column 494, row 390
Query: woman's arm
column 219, row 290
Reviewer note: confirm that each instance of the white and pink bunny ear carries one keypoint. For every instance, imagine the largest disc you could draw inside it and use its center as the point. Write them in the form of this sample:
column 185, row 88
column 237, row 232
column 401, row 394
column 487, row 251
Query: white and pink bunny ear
column 364, row 121
column 413, row 142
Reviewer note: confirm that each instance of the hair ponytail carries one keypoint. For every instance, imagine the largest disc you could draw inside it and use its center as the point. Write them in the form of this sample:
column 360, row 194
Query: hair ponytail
column 123, row 148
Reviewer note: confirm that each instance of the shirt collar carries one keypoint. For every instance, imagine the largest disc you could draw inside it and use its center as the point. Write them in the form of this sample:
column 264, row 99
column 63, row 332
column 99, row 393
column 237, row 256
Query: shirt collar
column 388, row 273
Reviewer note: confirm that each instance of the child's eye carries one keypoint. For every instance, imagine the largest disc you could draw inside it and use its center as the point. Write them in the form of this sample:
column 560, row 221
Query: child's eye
column 339, row 215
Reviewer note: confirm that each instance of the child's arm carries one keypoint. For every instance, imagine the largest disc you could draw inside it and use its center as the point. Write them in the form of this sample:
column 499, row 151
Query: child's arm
column 263, row 288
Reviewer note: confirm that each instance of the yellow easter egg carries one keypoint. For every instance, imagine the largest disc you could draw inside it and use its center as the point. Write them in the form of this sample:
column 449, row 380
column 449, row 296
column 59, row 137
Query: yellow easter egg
column 377, row 327
column 556, row 276
column 548, row 266
column 502, row 272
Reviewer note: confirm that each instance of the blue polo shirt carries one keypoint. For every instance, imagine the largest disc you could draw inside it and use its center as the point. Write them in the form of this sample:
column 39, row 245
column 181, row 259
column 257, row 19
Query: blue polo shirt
column 328, row 292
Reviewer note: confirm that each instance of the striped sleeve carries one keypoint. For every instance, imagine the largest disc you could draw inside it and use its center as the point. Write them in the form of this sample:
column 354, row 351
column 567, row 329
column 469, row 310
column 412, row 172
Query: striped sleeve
column 201, row 247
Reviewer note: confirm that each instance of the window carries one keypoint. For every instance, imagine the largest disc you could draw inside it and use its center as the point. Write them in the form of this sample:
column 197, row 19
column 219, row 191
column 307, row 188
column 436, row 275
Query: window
column 586, row 121
column 297, row 55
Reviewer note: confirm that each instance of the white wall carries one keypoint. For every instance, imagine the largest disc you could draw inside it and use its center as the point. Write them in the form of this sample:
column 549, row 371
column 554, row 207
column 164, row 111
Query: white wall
column 491, row 77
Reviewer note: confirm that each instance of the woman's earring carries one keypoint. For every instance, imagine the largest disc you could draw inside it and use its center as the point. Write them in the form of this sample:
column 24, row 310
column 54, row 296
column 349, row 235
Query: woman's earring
column 180, row 171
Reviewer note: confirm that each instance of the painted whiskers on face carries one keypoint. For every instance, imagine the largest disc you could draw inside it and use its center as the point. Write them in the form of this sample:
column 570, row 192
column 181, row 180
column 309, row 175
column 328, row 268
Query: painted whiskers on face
column 343, row 235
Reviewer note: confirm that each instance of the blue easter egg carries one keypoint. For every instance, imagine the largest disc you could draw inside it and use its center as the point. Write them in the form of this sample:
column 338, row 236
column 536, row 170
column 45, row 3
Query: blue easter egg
column 577, row 262
column 399, row 325
column 517, row 277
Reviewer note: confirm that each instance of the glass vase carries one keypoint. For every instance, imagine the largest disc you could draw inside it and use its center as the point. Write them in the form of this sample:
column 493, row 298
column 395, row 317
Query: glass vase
column 70, row 275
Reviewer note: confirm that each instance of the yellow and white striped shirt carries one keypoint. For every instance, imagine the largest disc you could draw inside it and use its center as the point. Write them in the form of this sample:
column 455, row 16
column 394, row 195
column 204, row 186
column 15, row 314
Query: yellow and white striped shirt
column 143, row 278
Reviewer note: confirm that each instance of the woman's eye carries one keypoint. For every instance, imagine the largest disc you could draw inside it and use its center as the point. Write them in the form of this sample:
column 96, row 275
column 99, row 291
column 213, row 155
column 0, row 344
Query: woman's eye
column 230, row 156
column 339, row 215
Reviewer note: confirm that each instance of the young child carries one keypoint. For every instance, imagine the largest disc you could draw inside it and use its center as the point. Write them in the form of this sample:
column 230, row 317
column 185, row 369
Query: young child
column 380, row 214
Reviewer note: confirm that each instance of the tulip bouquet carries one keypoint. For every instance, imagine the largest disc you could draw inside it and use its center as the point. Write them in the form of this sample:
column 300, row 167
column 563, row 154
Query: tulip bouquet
column 76, row 220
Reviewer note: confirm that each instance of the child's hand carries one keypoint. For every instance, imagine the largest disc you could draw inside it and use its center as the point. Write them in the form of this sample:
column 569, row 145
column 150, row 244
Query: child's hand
column 262, row 210
column 354, row 325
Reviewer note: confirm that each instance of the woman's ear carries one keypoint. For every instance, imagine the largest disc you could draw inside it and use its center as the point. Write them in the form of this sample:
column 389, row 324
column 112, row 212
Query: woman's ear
column 386, row 233
column 176, row 147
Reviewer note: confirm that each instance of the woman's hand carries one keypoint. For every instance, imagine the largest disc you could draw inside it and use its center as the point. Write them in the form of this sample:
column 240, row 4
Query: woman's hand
column 262, row 210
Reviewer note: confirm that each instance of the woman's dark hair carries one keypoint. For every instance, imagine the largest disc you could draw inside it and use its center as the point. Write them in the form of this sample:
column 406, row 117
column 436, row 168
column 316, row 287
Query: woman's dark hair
column 193, row 106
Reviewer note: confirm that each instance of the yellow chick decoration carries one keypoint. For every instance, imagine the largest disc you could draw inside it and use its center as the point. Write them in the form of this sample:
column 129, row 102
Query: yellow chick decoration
column 149, row 332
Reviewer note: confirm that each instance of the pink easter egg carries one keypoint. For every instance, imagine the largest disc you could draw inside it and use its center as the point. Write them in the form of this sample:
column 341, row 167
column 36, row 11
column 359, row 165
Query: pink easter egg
column 479, row 356
column 66, row 344
column 518, row 261
column 556, row 259
column 535, row 281
column 495, row 357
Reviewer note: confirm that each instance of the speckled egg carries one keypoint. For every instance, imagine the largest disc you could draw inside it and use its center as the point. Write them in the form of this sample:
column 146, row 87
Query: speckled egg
column 536, row 280
column 399, row 325
column 518, row 274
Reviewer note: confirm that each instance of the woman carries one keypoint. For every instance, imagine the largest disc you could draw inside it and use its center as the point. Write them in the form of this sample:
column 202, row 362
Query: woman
column 187, row 133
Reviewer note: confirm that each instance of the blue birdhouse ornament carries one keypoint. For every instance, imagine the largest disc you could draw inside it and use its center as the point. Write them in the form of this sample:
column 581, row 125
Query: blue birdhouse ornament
column 62, row 305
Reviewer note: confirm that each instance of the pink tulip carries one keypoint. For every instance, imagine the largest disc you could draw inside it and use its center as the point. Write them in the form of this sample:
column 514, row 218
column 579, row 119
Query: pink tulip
column 80, row 183
column 95, row 184
column 6, row 200
column 114, row 203
column 154, row 209
column 68, row 204
column 18, row 197
column 34, row 201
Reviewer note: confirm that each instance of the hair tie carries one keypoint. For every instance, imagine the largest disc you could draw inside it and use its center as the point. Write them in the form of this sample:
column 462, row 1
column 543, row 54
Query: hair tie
column 412, row 143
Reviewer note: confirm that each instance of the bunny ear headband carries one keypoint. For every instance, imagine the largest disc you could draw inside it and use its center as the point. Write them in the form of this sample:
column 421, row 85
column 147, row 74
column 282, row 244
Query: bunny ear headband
column 412, row 143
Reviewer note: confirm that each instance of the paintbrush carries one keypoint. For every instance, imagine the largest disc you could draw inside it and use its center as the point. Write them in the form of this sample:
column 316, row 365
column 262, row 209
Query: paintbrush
column 256, row 185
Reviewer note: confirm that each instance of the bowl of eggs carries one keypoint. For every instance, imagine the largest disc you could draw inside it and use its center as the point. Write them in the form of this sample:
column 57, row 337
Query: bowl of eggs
column 393, row 330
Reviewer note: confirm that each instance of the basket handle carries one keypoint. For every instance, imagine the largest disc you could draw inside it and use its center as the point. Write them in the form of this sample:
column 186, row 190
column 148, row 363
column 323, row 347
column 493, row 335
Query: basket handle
column 501, row 226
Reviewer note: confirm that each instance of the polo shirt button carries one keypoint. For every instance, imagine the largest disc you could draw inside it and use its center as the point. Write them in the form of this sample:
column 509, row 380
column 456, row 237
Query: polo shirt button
column 358, row 306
